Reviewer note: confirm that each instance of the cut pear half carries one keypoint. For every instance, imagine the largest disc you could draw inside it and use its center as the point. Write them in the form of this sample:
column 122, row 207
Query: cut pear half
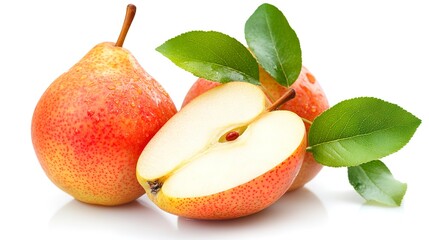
column 191, row 156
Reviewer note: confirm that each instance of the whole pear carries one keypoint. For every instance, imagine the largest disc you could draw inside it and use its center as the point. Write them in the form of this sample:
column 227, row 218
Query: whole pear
column 92, row 123
column 309, row 102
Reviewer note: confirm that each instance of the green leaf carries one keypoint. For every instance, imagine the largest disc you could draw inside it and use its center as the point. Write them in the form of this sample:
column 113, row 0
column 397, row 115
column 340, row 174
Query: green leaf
column 212, row 55
column 274, row 43
column 374, row 182
column 360, row 130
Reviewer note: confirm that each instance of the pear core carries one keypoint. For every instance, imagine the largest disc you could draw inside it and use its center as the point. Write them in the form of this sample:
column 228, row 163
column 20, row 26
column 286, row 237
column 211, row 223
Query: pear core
column 188, row 157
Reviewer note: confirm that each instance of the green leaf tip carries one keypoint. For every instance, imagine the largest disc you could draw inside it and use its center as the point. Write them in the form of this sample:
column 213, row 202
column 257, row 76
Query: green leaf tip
column 212, row 55
column 274, row 43
column 374, row 182
column 360, row 130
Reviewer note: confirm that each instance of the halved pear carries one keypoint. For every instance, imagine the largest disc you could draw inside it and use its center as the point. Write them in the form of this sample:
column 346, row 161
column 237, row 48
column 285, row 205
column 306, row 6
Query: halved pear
column 223, row 155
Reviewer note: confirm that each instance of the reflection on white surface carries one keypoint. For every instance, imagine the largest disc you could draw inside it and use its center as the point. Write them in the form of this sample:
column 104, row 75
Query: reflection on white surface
column 133, row 219
column 294, row 211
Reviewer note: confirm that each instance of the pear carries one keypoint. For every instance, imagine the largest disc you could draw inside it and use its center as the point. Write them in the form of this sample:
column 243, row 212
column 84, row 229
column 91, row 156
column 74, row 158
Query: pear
column 91, row 124
column 227, row 154
column 310, row 101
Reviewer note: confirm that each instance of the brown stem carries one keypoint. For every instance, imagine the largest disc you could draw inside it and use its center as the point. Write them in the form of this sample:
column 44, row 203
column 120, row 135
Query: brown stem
column 307, row 121
column 129, row 16
column 290, row 94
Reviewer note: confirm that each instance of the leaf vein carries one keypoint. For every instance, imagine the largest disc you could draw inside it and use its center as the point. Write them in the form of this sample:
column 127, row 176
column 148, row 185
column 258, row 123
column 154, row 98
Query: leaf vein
column 276, row 50
column 356, row 136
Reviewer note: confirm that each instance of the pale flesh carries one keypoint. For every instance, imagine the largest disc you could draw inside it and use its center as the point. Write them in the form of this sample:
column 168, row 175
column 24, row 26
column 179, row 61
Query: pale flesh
column 199, row 126
column 263, row 145
column 188, row 157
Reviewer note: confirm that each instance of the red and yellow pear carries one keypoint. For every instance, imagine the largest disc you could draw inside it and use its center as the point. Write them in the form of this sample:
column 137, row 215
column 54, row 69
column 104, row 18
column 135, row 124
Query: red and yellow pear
column 91, row 124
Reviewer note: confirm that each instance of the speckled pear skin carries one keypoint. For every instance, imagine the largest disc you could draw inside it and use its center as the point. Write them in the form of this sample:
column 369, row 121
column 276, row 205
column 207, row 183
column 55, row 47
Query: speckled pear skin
column 92, row 123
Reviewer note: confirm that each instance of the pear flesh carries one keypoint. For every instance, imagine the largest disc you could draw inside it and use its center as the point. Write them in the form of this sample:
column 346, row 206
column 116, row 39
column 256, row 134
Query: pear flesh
column 190, row 159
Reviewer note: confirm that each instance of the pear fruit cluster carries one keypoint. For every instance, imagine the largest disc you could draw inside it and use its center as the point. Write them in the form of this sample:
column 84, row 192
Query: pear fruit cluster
column 106, row 132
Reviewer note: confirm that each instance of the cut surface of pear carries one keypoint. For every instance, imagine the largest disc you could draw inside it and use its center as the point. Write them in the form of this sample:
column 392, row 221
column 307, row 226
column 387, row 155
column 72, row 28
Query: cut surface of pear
column 227, row 165
column 190, row 159
column 199, row 127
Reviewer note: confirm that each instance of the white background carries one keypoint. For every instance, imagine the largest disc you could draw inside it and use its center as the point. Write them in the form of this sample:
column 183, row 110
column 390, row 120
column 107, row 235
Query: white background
column 354, row 48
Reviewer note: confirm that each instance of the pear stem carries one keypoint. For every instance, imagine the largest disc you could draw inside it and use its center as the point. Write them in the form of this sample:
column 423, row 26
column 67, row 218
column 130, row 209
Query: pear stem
column 307, row 121
column 290, row 94
column 129, row 16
